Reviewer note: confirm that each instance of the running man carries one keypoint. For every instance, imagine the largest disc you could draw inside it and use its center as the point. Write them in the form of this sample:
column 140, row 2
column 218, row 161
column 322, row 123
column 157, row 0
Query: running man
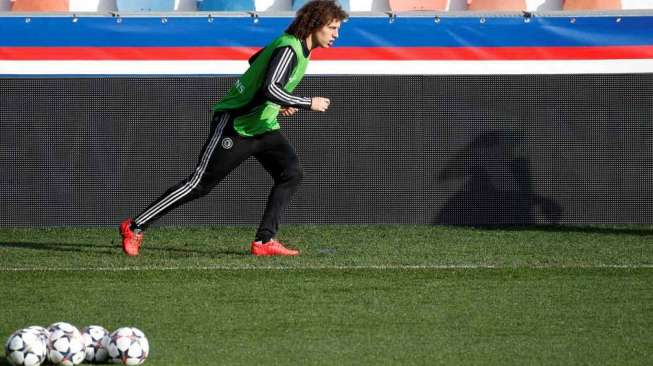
column 245, row 124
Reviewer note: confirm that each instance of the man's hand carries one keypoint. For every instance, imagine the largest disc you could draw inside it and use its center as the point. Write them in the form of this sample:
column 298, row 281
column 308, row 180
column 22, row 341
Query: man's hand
column 320, row 104
column 287, row 111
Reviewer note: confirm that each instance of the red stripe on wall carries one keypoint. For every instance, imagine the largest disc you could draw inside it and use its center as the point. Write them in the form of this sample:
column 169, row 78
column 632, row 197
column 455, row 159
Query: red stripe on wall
column 486, row 53
column 126, row 53
column 337, row 53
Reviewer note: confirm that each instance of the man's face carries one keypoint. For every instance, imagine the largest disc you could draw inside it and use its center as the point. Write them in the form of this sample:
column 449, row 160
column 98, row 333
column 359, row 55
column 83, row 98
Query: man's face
column 328, row 34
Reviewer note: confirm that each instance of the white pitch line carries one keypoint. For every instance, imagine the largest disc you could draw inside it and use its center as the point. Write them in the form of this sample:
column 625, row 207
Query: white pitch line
column 287, row 268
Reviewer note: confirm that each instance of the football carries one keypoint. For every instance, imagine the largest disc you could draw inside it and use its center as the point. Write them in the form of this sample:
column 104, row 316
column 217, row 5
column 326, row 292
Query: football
column 25, row 348
column 94, row 341
column 42, row 332
column 66, row 346
column 64, row 327
column 128, row 346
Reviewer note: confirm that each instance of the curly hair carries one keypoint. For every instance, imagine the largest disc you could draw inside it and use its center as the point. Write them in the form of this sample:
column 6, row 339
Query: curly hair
column 314, row 15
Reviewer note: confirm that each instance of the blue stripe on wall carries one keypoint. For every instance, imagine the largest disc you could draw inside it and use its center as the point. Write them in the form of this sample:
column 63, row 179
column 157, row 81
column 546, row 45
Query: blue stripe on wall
column 357, row 32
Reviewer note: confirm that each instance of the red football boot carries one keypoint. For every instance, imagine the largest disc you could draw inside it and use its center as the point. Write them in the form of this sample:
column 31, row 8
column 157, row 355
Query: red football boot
column 273, row 247
column 131, row 241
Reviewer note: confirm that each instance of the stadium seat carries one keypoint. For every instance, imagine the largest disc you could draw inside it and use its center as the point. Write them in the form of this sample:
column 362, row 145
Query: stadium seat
column 418, row 5
column 496, row 5
column 636, row 4
column 90, row 5
column 186, row 5
column 39, row 5
column 296, row 4
column 544, row 5
column 591, row 4
column 145, row 5
column 226, row 5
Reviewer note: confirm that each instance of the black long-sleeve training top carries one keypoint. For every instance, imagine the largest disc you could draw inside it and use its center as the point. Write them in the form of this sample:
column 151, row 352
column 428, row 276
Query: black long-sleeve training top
column 281, row 64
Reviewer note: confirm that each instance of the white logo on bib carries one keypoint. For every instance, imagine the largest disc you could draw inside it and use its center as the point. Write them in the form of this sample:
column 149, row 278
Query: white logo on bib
column 227, row 143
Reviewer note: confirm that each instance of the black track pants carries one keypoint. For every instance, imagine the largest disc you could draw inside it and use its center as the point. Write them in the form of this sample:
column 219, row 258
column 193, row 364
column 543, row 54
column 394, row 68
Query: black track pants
column 223, row 152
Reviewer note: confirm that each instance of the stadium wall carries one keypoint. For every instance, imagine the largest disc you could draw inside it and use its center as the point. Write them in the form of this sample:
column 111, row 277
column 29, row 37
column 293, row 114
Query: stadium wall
column 489, row 120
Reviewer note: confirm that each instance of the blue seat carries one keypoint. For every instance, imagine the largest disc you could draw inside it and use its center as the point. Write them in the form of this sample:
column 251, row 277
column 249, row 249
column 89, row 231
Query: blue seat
column 296, row 4
column 226, row 5
column 145, row 5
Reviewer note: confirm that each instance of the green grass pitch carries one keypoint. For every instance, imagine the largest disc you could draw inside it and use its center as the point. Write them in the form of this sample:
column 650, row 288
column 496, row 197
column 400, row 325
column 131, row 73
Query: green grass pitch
column 358, row 295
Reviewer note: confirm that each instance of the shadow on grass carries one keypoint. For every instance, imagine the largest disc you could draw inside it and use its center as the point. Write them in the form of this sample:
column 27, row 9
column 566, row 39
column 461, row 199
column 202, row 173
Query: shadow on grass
column 113, row 249
column 572, row 229
column 61, row 247
column 3, row 361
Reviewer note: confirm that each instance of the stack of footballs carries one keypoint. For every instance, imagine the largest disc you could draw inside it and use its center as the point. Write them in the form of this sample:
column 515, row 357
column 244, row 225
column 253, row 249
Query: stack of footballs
column 63, row 344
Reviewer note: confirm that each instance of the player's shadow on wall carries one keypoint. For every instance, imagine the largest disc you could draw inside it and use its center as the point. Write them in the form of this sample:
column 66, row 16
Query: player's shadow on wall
column 497, row 185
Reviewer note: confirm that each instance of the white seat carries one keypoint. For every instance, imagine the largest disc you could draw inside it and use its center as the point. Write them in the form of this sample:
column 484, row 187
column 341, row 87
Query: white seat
column 85, row 5
column 637, row 4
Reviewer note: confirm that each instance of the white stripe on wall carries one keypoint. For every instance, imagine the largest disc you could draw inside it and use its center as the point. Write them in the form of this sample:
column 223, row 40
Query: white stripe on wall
column 329, row 67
